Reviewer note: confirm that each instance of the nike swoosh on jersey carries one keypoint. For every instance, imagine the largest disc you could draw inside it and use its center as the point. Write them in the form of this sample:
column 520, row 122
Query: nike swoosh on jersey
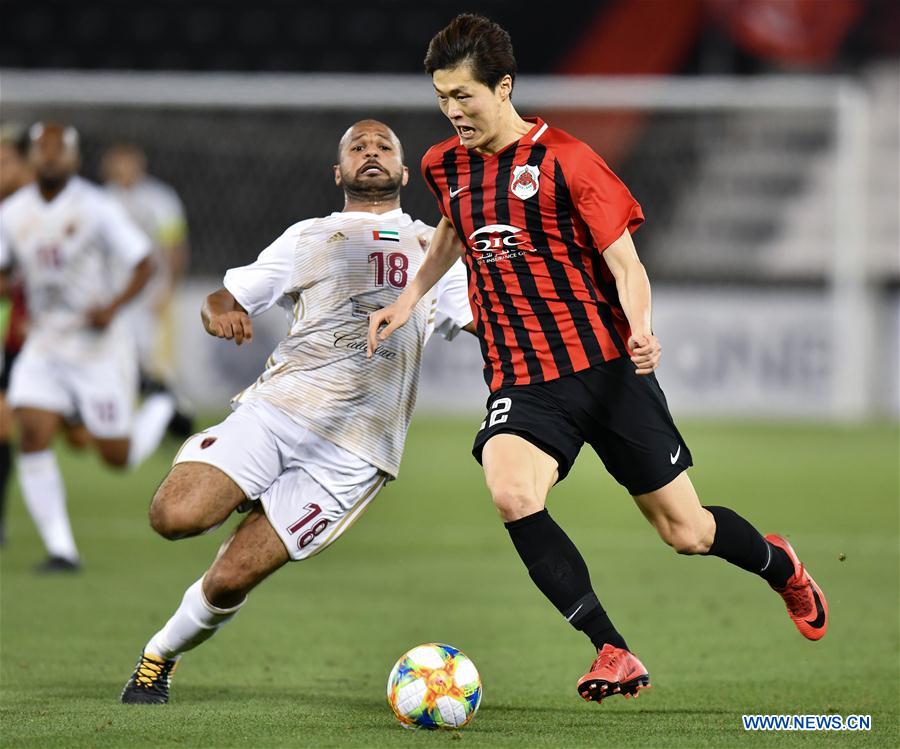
column 458, row 190
column 674, row 457
column 820, row 612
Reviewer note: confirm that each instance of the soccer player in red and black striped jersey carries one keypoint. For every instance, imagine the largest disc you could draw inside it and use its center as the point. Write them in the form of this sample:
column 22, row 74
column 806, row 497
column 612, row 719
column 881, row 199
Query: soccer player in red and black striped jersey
column 562, row 309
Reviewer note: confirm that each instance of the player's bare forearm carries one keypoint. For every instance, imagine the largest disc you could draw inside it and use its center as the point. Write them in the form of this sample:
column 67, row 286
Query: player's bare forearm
column 139, row 278
column 224, row 317
column 633, row 286
column 445, row 249
column 100, row 317
column 634, row 295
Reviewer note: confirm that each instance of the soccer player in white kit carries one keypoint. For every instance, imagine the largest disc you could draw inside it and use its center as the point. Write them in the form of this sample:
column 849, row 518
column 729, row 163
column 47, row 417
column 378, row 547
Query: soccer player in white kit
column 322, row 430
column 156, row 208
column 64, row 237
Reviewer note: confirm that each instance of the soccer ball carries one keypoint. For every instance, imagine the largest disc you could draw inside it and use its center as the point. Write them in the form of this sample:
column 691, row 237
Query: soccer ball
column 434, row 686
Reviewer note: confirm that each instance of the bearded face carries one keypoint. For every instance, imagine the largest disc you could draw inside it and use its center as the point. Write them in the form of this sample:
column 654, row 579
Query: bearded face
column 371, row 163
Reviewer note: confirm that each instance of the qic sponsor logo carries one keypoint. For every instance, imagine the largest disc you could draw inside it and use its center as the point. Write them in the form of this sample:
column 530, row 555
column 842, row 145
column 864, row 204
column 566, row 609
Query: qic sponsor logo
column 497, row 242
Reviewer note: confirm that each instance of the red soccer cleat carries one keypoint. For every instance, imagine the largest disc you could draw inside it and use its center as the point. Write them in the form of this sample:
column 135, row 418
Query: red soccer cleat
column 805, row 600
column 615, row 671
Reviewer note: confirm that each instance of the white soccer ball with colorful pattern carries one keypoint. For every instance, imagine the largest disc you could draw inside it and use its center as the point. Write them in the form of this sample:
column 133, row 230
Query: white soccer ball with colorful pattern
column 434, row 686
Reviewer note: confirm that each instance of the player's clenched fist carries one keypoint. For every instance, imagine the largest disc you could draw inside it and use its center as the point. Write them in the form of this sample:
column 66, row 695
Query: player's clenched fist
column 645, row 353
column 223, row 317
column 231, row 325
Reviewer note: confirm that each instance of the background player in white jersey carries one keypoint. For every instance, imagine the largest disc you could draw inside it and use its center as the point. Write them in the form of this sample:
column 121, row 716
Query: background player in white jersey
column 63, row 235
column 156, row 208
column 322, row 430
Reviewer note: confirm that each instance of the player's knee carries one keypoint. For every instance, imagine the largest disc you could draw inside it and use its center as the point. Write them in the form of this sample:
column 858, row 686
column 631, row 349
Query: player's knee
column 29, row 442
column 162, row 521
column 170, row 516
column 173, row 524
column 32, row 439
column 514, row 501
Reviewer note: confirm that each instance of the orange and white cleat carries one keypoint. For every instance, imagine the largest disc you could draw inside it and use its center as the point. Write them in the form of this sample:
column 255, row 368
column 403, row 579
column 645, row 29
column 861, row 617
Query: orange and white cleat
column 614, row 671
column 804, row 599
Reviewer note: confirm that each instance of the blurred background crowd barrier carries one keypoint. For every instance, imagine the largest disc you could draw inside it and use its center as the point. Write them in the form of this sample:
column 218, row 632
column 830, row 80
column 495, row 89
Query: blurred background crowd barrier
column 768, row 166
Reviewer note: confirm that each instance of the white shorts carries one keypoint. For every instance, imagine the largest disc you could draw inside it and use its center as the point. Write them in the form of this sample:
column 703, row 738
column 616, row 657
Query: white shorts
column 101, row 390
column 311, row 490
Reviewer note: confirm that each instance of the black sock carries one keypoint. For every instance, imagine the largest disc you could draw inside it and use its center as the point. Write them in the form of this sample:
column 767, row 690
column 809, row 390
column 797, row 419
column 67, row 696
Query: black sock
column 5, row 468
column 559, row 571
column 738, row 542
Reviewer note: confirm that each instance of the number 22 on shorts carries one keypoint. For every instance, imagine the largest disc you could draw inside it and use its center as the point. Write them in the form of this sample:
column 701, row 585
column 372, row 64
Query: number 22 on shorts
column 498, row 414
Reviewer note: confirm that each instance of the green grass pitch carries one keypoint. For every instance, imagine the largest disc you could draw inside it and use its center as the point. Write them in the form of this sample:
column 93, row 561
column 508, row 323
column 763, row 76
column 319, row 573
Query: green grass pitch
column 305, row 662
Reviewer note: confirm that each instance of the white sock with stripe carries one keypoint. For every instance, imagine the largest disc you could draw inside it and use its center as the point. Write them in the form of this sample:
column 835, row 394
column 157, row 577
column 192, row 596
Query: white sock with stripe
column 195, row 621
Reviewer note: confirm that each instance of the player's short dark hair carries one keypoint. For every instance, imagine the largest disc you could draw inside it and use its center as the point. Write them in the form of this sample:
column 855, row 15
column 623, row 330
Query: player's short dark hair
column 476, row 41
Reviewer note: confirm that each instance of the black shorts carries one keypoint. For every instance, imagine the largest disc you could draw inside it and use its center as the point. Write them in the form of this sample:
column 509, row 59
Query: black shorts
column 622, row 416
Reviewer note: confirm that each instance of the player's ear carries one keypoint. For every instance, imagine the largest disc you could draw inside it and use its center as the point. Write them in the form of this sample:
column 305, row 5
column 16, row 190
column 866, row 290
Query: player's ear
column 405, row 179
column 504, row 88
column 337, row 174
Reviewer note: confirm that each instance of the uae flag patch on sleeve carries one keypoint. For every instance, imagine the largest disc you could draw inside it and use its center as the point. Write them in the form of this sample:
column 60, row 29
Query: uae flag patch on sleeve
column 386, row 235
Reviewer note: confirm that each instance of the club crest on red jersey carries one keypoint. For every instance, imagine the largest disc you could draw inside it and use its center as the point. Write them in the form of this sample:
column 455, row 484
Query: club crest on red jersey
column 526, row 180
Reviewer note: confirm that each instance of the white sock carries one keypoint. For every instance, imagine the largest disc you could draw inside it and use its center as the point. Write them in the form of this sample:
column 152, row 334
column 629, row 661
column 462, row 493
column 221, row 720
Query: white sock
column 45, row 498
column 195, row 621
column 150, row 426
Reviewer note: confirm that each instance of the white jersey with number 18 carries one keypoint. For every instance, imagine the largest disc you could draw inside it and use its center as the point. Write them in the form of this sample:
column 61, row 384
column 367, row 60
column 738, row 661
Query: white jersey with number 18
column 329, row 273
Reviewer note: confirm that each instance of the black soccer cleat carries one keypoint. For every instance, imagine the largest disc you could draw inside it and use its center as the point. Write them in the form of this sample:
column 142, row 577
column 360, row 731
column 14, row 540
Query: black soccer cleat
column 52, row 565
column 149, row 684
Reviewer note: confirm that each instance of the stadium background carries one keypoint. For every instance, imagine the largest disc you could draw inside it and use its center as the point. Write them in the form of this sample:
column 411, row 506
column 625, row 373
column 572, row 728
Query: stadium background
column 760, row 136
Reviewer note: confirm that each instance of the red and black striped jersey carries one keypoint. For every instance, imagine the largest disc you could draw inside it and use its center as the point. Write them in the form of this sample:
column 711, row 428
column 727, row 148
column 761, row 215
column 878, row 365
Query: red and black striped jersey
column 535, row 218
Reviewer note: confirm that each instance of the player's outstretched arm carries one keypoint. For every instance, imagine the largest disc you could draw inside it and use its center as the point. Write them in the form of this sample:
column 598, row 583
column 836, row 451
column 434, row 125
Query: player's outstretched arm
column 223, row 317
column 445, row 250
column 634, row 294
